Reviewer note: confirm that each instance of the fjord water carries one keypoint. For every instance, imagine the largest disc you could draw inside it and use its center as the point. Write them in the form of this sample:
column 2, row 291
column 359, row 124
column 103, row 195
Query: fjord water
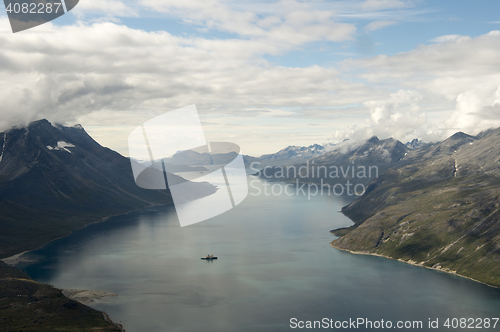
column 275, row 263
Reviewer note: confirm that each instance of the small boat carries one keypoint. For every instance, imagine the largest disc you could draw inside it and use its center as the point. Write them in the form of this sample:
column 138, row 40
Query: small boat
column 209, row 257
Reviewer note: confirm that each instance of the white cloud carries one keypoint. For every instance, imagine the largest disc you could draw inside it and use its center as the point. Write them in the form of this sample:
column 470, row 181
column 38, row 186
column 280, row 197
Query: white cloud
column 446, row 38
column 464, row 58
column 108, row 8
column 476, row 110
column 457, row 81
column 384, row 4
column 289, row 25
column 109, row 74
column 399, row 116
column 377, row 25
column 106, row 74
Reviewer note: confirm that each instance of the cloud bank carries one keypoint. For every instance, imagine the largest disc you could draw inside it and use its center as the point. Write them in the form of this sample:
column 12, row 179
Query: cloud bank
column 108, row 74
column 442, row 88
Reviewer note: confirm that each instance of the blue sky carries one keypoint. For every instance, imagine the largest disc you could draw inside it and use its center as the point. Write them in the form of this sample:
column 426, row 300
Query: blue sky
column 417, row 23
column 263, row 74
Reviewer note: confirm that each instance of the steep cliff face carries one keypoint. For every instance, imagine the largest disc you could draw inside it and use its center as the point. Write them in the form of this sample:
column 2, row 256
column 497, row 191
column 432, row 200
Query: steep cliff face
column 437, row 207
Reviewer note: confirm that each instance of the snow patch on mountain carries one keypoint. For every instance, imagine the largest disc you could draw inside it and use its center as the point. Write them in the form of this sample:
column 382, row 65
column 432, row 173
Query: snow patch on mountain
column 293, row 152
column 344, row 147
column 3, row 147
column 414, row 144
column 61, row 145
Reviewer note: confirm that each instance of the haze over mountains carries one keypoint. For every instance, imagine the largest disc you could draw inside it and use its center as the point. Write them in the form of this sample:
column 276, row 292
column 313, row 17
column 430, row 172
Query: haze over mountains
column 287, row 156
column 292, row 154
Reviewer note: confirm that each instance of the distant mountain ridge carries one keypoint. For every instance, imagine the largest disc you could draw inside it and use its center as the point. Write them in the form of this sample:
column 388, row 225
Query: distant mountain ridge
column 414, row 144
column 370, row 152
column 287, row 156
column 346, row 156
column 293, row 154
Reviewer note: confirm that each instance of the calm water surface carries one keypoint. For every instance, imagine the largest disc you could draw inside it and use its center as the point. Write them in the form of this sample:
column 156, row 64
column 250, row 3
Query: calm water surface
column 275, row 263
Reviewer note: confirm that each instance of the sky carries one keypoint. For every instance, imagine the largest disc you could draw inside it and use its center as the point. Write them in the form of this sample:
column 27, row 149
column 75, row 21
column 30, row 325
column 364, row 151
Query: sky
column 262, row 74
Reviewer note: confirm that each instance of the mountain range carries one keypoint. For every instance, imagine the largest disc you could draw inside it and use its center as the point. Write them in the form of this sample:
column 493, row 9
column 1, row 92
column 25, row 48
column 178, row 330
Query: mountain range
column 437, row 207
column 414, row 144
column 344, row 162
column 287, row 156
column 55, row 179
column 292, row 155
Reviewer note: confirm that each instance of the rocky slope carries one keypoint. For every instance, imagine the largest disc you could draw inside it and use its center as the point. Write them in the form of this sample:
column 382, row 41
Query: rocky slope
column 55, row 179
column 415, row 144
column 348, row 161
column 292, row 155
column 27, row 305
column 438, row 207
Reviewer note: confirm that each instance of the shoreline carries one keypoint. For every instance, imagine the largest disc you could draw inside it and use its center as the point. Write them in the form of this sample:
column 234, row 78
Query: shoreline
column 86, row 296
column 411, row 263
column 17, row 258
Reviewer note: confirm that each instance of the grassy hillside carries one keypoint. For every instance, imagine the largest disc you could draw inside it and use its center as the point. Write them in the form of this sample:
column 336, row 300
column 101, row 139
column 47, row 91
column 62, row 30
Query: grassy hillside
column 439, row 208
